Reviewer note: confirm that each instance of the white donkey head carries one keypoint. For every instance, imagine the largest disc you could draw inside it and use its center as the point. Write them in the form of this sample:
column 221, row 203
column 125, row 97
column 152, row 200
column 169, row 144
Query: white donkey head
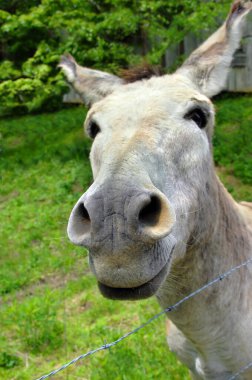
column 154, row 185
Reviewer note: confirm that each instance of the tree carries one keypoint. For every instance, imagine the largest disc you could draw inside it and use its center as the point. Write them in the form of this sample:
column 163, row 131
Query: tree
column 107, row 34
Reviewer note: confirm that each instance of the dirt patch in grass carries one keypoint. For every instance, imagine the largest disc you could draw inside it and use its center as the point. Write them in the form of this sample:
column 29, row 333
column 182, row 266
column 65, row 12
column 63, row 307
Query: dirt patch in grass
column 6, row 198
column 55, row 281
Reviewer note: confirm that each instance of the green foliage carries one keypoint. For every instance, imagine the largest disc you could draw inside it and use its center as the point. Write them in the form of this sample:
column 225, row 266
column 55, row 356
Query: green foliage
column 8, row 71
column 109, row 35
column 30, row 94
column 17, row 6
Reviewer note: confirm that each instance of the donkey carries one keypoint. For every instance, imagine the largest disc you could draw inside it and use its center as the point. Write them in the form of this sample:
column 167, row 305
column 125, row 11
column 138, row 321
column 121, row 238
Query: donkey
column 157, row 220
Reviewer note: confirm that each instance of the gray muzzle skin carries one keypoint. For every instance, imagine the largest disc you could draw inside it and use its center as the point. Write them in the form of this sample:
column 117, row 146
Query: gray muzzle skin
column 126, row 235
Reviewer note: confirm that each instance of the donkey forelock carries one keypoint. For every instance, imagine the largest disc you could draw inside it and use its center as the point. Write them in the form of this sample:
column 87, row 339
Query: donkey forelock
column 143, row 71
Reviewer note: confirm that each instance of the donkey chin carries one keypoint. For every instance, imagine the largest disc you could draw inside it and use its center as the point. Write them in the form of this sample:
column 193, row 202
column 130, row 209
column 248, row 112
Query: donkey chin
column 129, row 285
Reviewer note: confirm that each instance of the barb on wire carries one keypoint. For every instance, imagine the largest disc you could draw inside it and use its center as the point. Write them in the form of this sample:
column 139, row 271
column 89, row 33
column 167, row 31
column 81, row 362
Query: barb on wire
column 167, row 310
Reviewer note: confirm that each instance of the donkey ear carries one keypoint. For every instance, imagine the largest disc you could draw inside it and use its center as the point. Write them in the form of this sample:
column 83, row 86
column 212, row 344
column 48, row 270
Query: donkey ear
column 90, row 85
column 208, row 66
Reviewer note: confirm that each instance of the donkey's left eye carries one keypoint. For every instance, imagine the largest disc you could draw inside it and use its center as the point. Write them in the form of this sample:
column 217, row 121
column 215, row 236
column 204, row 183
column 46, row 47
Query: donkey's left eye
column 198, row 116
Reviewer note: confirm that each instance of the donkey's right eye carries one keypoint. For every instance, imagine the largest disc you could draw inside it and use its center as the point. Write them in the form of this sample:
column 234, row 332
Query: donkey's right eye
column 198, row 116
column 93, row 129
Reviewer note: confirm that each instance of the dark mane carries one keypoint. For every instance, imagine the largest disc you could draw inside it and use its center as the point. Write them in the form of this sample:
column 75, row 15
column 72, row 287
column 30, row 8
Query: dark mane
column 143, row 71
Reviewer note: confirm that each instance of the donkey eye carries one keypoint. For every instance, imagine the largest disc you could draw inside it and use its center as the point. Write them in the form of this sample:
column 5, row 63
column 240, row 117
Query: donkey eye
column 93, row 129
column 198, row 116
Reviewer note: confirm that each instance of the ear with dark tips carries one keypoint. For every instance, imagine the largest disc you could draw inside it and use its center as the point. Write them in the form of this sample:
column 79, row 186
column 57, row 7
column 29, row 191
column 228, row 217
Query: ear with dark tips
column 90, row 85
column 68, row 65
column 208, row 66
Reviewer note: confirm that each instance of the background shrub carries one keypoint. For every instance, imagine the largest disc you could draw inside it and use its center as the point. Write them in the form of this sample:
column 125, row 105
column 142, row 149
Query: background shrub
column 107, row 34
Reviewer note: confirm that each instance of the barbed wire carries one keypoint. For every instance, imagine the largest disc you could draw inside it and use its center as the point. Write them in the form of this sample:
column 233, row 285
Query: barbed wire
column 167, row 310
column 241, row 371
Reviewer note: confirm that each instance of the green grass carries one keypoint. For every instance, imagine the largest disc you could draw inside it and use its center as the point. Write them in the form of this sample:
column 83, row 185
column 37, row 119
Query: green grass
column 232, row 140
column 50, row 308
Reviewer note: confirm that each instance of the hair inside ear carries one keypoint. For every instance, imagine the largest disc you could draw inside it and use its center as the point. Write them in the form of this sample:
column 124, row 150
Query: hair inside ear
column 91, row 85
column 208, row 66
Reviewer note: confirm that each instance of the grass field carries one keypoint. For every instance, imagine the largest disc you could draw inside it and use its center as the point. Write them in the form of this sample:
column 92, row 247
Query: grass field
column 50, row 308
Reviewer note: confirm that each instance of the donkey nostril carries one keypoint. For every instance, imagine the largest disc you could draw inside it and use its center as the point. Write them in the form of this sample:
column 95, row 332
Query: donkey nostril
column 79, row 225
column 150, row 213
column 155, row 218
column 83, row 212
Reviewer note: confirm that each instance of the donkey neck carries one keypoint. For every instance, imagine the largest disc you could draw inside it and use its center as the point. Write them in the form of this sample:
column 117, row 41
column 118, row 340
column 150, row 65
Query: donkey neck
column 214, row 253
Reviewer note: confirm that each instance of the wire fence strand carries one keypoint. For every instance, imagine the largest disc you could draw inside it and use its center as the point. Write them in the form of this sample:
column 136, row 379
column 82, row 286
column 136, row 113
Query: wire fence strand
column 241, row 371
column 167, row 310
